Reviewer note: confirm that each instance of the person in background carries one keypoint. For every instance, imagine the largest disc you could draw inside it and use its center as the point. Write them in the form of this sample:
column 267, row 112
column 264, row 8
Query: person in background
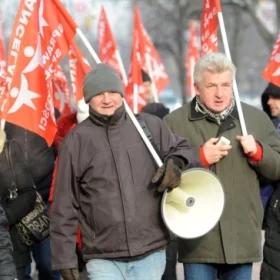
column 16, row 204
column 40, row 159
column 107, row 182
column 147, row 87
column 156, row 108
column 159, row 110
column 7, row 266
column 229, row 249
column 270, row 268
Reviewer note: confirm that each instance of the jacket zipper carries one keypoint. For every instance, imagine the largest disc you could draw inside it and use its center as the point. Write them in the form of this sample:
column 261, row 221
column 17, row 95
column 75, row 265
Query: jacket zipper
column 120, row 189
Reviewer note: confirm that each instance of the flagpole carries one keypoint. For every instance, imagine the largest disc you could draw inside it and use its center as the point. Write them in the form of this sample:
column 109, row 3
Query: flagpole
column 121, row 67
column 128, row 110
column 88, row 45
column 235, row 88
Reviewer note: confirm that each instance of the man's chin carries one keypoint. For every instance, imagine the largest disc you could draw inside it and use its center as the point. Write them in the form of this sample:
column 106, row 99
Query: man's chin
column 218, row 109
column 107, row 113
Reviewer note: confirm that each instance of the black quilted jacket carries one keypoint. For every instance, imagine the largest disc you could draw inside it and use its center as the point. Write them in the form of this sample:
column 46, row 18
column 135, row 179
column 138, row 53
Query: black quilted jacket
column 7, row 267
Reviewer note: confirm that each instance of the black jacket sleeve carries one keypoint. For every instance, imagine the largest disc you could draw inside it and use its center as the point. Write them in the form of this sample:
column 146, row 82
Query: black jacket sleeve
column 7, row 267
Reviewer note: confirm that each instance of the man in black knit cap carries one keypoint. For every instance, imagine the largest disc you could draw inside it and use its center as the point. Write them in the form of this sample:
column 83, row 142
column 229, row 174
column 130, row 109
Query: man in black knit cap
column 107, row 182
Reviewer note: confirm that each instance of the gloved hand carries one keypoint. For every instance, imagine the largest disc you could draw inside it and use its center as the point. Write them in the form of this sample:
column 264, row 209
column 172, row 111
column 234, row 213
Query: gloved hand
column 168, row 176
column 70, row 274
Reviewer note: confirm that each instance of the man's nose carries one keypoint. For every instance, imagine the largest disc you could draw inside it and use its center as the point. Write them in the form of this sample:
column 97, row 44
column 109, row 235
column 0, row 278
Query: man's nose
column 269, row 101
column 106, row 97
column 219, row 91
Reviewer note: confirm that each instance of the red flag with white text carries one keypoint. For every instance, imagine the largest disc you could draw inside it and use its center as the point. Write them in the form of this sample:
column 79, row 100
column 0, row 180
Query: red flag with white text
column 192, row 55
column 108, row 50
column 41, row 36
column 150, row 58
column 133, row 88
column 209, row 24
column 271, row 72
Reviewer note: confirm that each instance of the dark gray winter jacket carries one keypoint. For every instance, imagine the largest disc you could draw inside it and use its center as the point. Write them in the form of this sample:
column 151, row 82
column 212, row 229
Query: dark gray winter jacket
column 103, row 183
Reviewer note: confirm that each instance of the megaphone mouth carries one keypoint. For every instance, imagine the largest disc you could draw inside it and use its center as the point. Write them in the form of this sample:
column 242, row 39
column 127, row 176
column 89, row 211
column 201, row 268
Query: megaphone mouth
column 195, row 206
column 190, row 201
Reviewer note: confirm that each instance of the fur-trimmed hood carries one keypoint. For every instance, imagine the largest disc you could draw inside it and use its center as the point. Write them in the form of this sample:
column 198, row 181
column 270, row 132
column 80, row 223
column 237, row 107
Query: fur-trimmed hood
column 2, row 139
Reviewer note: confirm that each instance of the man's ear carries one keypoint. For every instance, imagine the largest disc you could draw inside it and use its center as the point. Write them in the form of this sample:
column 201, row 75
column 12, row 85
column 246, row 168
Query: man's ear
column 196, row 87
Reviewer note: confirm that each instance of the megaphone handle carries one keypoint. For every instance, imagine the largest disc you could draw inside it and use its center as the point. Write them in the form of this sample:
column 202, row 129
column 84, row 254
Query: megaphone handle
column 176, row 195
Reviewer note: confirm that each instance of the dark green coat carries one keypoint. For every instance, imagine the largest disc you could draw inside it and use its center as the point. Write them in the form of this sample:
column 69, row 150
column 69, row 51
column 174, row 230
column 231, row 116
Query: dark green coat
column 237, row 237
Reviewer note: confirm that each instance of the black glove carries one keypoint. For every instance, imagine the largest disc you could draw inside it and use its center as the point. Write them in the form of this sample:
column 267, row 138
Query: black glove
column 168, row 176
column 70, row 274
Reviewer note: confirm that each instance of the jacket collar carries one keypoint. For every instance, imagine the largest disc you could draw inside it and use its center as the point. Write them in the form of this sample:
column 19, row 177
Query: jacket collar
column 227, row 124
column 194, row 115
column 103, row 120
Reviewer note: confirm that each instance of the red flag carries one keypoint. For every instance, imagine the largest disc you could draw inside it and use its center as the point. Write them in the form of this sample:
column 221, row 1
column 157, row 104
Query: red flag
column 271, row 72
column 133, row 88
column 192, row 56
column 2, row 55
column 144, row 56
column 62, row 95
column 150, row 58
column 41, row 36
column 209, row 26
column 108, row 50
column 3, row 73
column 79, row 67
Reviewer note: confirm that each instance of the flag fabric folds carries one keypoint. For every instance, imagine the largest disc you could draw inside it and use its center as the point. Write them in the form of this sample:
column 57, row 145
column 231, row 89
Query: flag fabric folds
column 150, row 58
column 2, row 56
column 62, row 95
column 133, row 98
column 79, row 67
column 108, row 50
column 3, row 73
column 145, row 57
column 42, row 33
column 271, row 72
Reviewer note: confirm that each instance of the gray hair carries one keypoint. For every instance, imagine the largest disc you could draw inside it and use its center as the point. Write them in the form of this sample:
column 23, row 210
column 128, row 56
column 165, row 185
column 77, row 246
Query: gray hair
column 213, row 63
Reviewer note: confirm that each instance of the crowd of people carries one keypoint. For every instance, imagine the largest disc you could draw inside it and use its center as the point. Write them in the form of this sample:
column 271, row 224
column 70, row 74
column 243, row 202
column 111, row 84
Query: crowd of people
column 104, row 188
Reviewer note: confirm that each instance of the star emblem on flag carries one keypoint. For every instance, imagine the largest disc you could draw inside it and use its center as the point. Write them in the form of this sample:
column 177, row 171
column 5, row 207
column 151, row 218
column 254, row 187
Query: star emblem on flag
column 23, row 96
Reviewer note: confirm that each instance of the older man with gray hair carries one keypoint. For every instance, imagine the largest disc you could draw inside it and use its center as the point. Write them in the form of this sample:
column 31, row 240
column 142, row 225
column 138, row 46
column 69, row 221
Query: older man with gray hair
column 229, row 249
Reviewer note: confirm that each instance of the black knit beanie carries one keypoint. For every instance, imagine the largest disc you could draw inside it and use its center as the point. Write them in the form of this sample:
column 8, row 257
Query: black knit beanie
column 102, row 78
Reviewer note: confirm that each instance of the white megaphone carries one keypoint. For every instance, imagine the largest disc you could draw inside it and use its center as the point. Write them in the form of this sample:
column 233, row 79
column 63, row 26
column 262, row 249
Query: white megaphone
column 195, row 206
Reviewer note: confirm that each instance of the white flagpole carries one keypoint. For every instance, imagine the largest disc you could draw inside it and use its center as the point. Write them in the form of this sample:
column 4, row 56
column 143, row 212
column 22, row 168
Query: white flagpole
column 128, row 110
column 88, row 45
column 235, row 88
